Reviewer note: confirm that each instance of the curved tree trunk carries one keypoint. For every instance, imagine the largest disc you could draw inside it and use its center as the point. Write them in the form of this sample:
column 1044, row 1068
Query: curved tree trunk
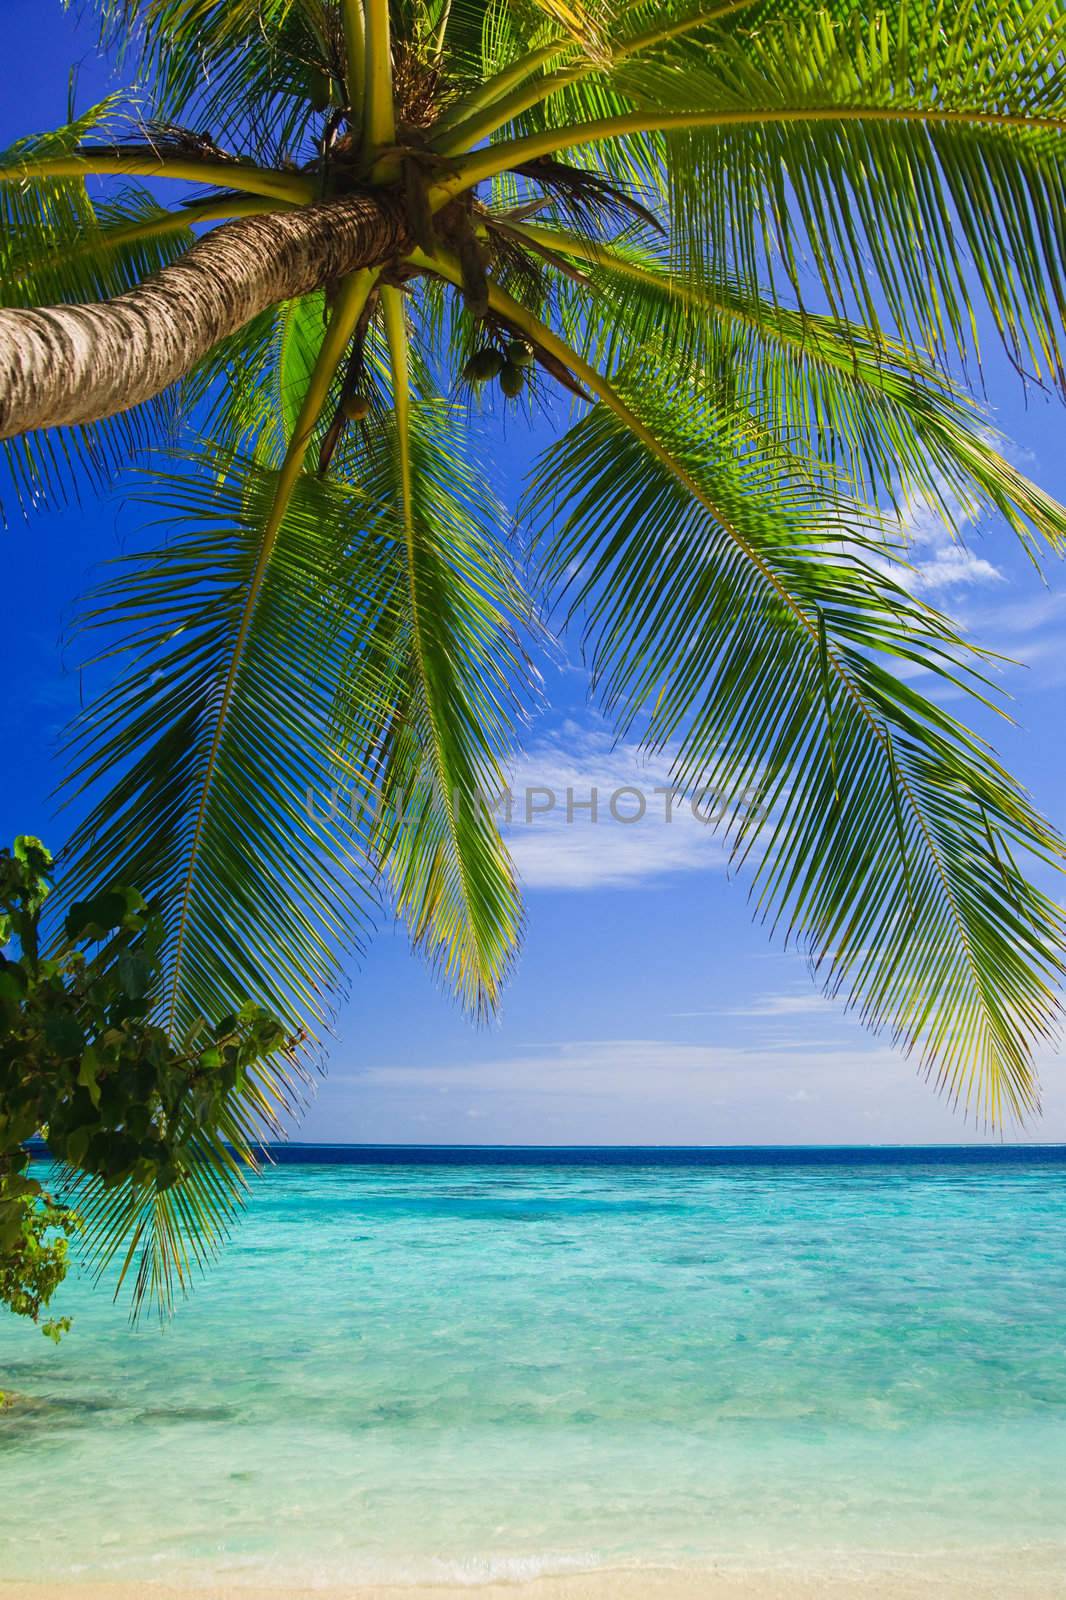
column 78, row 364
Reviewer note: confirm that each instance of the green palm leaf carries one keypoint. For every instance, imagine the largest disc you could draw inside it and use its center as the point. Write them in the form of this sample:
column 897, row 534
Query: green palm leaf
column 903, row 155
column 441, row 772
column 736, row 617
column 264, row 887
column 210, row 59
column 867, row 406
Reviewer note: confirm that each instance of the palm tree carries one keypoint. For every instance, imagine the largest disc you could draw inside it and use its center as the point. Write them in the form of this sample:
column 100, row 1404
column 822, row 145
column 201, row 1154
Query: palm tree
column 735, row 250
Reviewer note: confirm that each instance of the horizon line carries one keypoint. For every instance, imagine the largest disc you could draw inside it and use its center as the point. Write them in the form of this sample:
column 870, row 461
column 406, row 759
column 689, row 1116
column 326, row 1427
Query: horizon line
column 444, row 1144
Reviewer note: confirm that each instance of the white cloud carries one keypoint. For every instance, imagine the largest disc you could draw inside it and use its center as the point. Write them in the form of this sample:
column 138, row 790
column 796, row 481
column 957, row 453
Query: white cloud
column 936, row 559
column 553, row 851
column 953, row 566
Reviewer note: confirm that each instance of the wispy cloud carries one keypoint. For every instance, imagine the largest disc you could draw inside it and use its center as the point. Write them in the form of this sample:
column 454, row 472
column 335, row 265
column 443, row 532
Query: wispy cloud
column 1030, row 631
column 660, row 1070
column 787, row 1005
column 1020, row 618
column 953, row 566
column 554, row 850
column 648, row 1091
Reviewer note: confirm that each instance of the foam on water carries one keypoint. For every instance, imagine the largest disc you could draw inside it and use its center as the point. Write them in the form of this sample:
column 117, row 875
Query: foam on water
column 473, row 1371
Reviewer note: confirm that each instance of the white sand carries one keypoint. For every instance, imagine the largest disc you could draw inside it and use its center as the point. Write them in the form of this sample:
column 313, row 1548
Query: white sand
column 998, row 1578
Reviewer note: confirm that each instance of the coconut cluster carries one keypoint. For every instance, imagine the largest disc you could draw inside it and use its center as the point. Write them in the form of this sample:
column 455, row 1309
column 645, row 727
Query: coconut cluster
column 509, row 366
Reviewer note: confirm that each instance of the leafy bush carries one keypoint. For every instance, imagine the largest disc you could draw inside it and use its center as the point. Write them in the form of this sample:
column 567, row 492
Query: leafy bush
column 83, row 1064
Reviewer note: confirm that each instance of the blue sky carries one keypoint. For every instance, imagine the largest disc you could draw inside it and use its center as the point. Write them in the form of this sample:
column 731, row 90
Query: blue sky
column 645, row 1007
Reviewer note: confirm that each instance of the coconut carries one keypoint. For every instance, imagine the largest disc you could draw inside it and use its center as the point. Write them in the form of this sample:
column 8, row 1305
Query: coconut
column 483, row 364
column 512, row 380
column 519, row 353
column 321, row 89
column 356, row 408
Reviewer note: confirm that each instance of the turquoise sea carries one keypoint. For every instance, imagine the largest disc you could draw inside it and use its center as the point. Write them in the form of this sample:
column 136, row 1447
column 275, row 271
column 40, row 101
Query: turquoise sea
column 491, row 1366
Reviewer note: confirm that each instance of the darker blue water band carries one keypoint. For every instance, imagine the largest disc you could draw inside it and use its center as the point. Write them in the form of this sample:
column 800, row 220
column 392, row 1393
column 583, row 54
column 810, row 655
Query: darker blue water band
column 666, row 1155
column 467, row 1155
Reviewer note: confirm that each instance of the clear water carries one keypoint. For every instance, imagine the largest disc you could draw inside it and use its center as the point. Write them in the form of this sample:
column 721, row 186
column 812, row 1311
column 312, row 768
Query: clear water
column 471, row 1370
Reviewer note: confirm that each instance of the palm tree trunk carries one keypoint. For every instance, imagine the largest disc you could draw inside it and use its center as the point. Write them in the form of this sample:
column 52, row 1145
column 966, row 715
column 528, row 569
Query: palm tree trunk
column 78, row 364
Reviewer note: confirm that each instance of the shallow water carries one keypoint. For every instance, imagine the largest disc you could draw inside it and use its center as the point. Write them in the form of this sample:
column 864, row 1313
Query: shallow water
column 414, row 1370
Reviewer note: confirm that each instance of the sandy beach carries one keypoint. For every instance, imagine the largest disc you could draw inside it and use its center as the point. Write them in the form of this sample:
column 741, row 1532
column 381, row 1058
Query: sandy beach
column 1033, row 1579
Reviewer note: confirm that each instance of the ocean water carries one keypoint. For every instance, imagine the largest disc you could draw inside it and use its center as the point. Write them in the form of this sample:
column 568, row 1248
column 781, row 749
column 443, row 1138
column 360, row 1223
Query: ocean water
column 480, row 1367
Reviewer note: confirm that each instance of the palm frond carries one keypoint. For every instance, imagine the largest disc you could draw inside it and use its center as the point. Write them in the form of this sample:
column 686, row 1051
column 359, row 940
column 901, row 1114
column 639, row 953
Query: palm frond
column 251, row 69
column 735, row 615
column 870, row 407
column 254, row 386
column 265, row 886
column 897, row 156
column 742, row 617
column 440, row 769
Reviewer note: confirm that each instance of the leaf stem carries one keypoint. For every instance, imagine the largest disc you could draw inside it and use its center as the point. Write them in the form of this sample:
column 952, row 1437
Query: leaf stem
column 501, row 107
column 293, row 187
column 380, row 123
column 497, row 158
column 353, row 297
column 492, row 92
column 354, row 23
